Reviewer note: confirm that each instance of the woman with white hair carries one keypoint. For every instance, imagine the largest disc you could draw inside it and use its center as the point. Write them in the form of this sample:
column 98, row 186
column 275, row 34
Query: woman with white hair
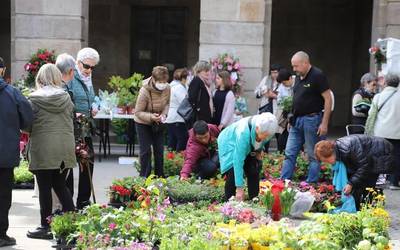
column 82, row 93
column 51, row 149
column 240, row 149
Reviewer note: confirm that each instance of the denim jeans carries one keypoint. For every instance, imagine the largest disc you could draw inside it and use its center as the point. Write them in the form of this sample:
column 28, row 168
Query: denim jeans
column 303, row 132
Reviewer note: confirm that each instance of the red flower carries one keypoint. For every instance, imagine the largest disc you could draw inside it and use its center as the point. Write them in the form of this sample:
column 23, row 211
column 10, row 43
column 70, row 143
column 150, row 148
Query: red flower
column 170, row 155
column 42, row 56
column 330, row 188
column 323, row 168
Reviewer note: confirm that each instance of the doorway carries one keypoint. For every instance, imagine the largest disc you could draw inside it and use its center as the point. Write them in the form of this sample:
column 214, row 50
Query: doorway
column 336, row 34
column 158, row 38
column 5, row 36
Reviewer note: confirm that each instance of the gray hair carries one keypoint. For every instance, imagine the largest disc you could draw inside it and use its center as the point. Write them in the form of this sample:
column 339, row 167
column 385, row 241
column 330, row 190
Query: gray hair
column 65, row 63
column 392, row 80
column 367, row 77
column 266, row 122
column 303, row 56
column 88, row 53
column 201, row 66
column 48, row 75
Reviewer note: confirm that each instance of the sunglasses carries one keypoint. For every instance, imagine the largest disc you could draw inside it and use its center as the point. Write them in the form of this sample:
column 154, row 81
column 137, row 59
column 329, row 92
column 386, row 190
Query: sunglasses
column 87, row 66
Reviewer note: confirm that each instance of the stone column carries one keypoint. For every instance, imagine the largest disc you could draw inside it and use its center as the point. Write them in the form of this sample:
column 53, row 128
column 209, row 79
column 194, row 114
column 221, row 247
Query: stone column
column 237, row 27
column 52, row 24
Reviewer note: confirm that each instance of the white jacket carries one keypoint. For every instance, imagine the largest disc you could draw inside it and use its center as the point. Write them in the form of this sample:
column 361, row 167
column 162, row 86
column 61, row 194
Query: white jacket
column 387, row 123
column 178, row 93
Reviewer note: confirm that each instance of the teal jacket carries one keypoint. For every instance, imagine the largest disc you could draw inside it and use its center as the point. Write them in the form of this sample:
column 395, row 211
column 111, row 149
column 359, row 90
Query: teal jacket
column 234, row 144
column 82, row 100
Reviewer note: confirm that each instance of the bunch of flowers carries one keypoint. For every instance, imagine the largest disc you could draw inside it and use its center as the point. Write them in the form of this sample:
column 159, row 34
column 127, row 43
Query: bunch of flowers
column 173, row 162
column 379, row 54
column 125, row 190
column 242, row 212
column 326, row 198
column 228, row 63
column 37, row 60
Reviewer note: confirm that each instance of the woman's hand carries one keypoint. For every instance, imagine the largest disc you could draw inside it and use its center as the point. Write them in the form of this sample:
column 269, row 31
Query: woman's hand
column 239, row 194
column 347, row 189
column 155, row 118
column 220, row 127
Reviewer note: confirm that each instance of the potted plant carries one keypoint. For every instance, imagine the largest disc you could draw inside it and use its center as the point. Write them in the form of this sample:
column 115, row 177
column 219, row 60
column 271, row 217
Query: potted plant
column 23, row 178
column 123, row 191
column 63, row 228
column 37, row 60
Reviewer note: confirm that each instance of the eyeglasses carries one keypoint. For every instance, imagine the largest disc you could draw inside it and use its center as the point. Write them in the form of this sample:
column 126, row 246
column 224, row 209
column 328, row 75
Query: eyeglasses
column 87, row 66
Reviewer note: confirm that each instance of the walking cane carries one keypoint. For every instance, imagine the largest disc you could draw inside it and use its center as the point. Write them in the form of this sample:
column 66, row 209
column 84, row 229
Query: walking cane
column 91, row 182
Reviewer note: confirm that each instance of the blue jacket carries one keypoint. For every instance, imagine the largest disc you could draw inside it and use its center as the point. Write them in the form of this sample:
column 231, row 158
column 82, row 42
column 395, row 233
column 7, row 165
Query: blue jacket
column 234, row 144
column 15, row 114
column 76, row 88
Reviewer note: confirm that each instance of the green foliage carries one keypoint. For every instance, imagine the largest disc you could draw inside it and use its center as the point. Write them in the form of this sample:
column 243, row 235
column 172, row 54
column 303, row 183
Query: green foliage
column 65, row 225
column 119, row 126
column 127, row 89
column 173, row 163
column 286, row 104
column 22, row 173
column 37, row 60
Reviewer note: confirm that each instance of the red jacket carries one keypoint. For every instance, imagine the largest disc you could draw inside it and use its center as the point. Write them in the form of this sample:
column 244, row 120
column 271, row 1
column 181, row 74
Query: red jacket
column 196, row 151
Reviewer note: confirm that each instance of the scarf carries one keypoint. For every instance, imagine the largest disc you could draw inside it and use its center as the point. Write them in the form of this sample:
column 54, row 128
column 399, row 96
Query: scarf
column 207, row 84
column 87, row 80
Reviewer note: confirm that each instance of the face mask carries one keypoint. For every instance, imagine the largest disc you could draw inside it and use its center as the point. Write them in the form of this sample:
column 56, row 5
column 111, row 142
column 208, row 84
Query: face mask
column 161, row 86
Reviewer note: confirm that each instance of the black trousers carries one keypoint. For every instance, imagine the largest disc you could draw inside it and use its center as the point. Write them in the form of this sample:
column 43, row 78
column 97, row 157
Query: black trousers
column 282, row 141
column 207, row 168
column 252, row 168
column 177, row 136
column 146, row 139
column 395, row 176
column 360, row 193
column 84, row 187
column 6, row 184
column 52, row 179
column 266, row 146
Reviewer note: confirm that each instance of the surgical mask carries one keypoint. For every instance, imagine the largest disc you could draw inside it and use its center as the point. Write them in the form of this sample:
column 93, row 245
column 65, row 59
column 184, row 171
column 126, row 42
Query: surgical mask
column 161, row 86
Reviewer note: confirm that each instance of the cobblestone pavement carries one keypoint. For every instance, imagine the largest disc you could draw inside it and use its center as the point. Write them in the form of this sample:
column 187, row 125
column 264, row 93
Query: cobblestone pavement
column 24, row 213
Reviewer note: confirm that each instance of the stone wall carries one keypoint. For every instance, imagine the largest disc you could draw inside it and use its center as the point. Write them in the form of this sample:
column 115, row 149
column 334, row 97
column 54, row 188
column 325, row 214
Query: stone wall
column 110, row 33
column 5, row 34
column 53, row 24
column 237, row 27
column 336, row 35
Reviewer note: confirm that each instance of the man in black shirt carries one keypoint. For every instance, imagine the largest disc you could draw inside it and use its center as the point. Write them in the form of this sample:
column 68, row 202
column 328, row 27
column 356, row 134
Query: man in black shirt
column 311, row 95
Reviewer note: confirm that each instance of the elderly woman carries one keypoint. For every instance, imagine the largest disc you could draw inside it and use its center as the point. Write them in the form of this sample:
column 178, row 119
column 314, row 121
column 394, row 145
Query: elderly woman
column 240, row 152
column 387, row 122
column 365, row 157
column 199, row 92
column 151, row 109
column 66, row 64
column 52, row 146
column 81, row 90
column 362, row 98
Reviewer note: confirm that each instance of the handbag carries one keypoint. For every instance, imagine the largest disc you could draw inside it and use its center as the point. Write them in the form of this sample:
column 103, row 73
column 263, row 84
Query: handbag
column 371, row 120
column 186, row 110
column 155, row 126
column 269, row 106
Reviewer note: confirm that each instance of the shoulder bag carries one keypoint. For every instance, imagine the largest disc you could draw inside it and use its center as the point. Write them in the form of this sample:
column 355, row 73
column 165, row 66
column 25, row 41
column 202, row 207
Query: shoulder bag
column 186, row 110
column 371, row 120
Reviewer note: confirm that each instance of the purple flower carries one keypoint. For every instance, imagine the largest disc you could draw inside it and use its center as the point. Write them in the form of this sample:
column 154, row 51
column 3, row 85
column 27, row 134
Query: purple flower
column 161, row 217
column 220, row 66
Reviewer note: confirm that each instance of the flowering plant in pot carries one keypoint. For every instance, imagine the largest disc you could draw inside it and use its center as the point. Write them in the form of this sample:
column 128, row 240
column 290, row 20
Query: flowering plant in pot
column 228, row 62
column 125, row 190
column 173, row 162
column 37, row 60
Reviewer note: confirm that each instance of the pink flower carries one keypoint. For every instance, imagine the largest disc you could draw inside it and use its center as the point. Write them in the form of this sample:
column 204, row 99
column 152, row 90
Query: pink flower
column 229, row 68
column 236, row 66
column 161, row 217
column 220, row 66
column 112, row 226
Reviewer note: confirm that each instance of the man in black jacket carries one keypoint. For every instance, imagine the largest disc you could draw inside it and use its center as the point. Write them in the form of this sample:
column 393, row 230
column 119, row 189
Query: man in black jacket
column 15, row 114
column 365, row 157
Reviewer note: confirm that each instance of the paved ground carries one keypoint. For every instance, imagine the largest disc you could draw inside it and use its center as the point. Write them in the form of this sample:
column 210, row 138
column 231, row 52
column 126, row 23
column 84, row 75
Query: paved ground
column 24, row 213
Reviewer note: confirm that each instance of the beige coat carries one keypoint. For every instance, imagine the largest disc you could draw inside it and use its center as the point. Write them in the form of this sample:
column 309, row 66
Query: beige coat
column 146, row 105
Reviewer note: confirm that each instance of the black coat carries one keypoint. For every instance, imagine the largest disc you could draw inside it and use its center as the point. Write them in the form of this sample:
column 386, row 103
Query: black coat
column 201, row 104
column 15, row 114
column 364, row 155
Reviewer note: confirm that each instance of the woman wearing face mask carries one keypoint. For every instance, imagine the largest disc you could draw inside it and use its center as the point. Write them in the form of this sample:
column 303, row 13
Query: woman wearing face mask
column 81, row 91
column 240, row 153
column 177, row 130
column 363, row 95
column 200, row 92
column 224, row 101
column 151, row 110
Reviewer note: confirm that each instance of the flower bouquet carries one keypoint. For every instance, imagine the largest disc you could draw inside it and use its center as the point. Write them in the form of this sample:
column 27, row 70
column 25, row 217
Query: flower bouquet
column 228, row 63
column 379, row 55
column 37, row 60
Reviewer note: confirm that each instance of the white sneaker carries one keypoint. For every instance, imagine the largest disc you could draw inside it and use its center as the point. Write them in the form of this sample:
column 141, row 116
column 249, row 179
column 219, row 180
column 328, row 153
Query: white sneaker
column 381, row 180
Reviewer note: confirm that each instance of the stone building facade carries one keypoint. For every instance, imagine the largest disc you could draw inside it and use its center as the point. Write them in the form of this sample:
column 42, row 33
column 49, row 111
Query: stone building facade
column 133, row 35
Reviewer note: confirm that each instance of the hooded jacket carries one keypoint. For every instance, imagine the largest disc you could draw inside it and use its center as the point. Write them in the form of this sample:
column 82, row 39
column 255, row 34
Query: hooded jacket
column 52, row 133
column 234, row 144
column 146, row 105
column 15, row 114
column 363, row 155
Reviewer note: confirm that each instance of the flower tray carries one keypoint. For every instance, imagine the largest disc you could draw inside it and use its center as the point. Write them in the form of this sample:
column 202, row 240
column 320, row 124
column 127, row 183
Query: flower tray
column 24, row 185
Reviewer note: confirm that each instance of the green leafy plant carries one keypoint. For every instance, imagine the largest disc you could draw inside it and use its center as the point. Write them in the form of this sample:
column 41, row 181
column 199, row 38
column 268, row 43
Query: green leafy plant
column 127, row 89
column 286, row 104
column 173, row 162
column 22, row 173
column 65, row 225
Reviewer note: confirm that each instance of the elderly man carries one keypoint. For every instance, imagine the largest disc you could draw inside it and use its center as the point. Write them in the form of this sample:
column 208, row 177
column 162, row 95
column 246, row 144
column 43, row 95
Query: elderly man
column 311, row 95
column 66, row 64
column 240, row 149
column 15, row 114
column 82, row 93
